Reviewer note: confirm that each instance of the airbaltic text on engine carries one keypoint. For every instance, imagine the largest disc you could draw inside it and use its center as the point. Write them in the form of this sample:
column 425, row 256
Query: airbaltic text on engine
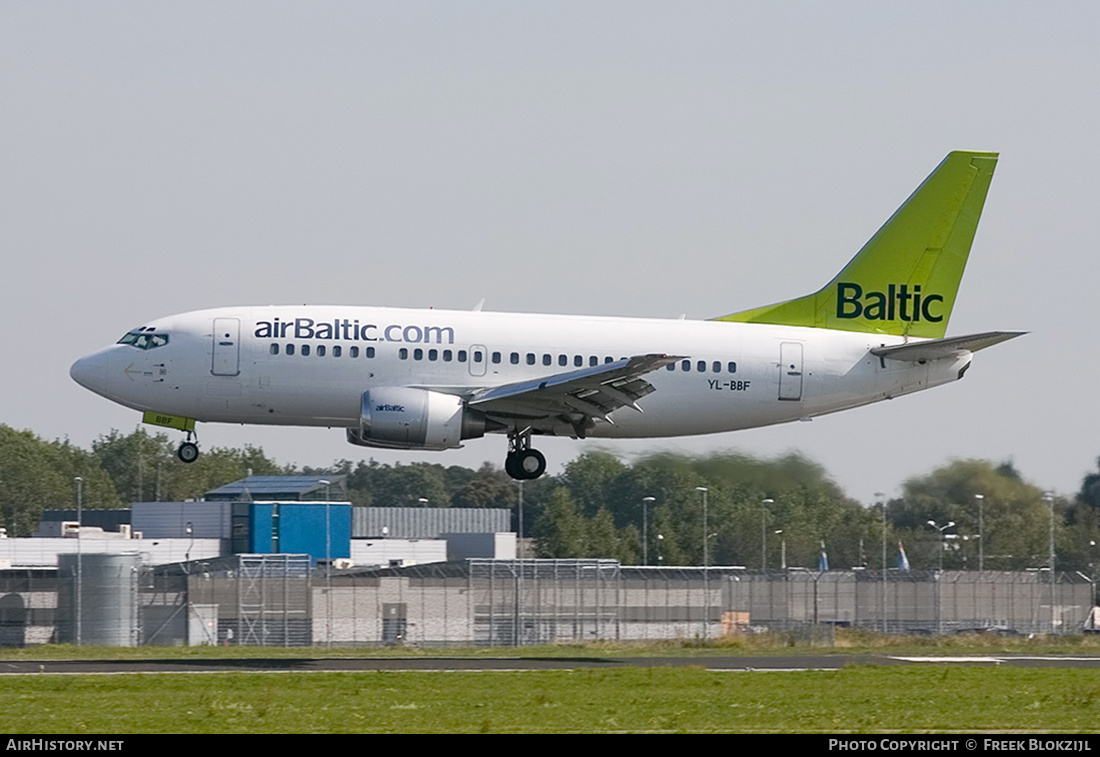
column 352, row 330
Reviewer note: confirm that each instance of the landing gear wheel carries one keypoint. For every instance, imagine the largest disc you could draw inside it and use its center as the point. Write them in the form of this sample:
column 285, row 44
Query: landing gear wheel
column 525, row 465
column 530, row 463
column 511, row 468
column 188, row 452
column 522, row 462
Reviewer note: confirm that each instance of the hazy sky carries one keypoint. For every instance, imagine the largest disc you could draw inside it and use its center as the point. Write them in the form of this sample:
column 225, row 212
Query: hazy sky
column 620, row 158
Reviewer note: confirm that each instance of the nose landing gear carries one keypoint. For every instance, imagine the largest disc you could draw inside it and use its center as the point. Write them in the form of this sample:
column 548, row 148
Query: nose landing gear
column 189, row 450
column 523, row 463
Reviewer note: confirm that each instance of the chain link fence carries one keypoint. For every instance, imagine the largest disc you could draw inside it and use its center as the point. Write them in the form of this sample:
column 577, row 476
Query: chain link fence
column 522, row 602
column 277, row 600
column 261, row 600
column 921, row 602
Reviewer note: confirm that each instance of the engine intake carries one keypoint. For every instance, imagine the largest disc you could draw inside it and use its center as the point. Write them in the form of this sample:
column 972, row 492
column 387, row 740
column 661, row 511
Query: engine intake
column 398, row 417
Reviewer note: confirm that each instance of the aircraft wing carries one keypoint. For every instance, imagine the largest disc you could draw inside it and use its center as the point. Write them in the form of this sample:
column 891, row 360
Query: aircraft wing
column 578, row 396
column 933, row 349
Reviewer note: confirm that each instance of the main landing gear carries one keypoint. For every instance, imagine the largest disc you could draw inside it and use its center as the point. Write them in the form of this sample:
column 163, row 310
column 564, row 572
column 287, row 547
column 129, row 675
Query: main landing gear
column 523, row 463
column 189, row 450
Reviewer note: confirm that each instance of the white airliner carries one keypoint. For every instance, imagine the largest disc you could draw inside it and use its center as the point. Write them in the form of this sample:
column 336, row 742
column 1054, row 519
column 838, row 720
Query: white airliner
column 428, row 379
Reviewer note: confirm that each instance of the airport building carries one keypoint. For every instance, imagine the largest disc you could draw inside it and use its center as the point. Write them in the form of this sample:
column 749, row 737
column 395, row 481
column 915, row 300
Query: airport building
column 300, row 569
column 269, row 515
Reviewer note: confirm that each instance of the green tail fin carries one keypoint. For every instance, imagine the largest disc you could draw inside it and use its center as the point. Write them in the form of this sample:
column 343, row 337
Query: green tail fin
column 905, row 279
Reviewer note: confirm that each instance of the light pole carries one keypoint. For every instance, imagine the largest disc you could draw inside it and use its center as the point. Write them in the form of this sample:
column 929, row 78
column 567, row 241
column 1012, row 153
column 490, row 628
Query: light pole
column 764, row 533
column 881, row 499
column 1048, row 497
column 1092, row 568
column 660, row 555
column 782, row 548
column 706, row 587
column 519, row 516
column 645, row 529
column 328, row 563
column 943, row 540
column 703, row 489
column 517, row 619
column 981, row 531
column 328, row 544
column 939, row 576
column 79, row 561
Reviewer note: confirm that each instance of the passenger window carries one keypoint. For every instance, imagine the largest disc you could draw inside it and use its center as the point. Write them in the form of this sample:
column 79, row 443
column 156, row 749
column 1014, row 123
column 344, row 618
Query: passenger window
column 305, row 350
column 701, row 366
column 353, row 352
column 514, row 357
column 403, row 353
column 593, row 361
column 563, row 360
column 462, row 356
column 685, row 366
column 732, row 367
column 670, row 367
column 496, row 358
column 320, row 350
column 274, row 349
column 448, row 356
column 530, row 358
column 477, row 356
column 433, row 354
column 370, row 352
column 578, row 361
column 290, row 349
column 608, row 359
column 337, row 351
column 717, row 366
column 546, row 359
column 418, row 354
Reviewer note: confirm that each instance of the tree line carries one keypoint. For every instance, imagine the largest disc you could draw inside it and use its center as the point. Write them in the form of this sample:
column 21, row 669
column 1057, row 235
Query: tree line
column 760, row 513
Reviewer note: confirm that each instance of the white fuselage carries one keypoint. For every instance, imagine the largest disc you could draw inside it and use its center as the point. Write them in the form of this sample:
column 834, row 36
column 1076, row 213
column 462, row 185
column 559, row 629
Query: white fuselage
column 309, row 365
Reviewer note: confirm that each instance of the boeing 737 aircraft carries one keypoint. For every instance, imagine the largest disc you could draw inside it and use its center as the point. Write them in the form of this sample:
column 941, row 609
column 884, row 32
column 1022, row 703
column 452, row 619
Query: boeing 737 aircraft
column 428, row 379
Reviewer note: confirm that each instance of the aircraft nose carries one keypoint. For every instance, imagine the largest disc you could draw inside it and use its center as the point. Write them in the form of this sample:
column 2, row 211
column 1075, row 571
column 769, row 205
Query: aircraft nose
column 90, row 372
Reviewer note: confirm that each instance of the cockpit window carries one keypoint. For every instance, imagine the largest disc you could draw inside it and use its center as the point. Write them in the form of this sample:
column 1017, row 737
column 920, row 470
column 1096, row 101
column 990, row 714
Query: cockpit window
column 144, row 340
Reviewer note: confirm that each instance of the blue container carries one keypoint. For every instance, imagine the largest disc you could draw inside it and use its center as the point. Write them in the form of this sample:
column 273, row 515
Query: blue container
column 321, row 530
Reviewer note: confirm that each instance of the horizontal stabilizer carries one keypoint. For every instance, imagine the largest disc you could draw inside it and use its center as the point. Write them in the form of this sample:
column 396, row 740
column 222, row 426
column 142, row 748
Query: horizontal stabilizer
column 934, row 349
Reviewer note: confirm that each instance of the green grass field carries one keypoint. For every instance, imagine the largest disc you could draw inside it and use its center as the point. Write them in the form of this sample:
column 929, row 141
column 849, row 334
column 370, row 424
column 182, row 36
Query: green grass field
column 852, row 700
column 856, row 699
column 846, row 642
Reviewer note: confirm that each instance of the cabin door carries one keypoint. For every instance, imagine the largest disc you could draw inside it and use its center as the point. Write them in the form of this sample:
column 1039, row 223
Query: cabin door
column 790, row 371
column 227, row 347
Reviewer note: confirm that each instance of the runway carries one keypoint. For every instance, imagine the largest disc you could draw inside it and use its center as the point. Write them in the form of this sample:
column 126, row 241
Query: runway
column 776, row 663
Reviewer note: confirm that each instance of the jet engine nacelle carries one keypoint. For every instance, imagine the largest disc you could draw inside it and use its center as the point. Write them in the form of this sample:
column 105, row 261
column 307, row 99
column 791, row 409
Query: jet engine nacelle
column 399, row 417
